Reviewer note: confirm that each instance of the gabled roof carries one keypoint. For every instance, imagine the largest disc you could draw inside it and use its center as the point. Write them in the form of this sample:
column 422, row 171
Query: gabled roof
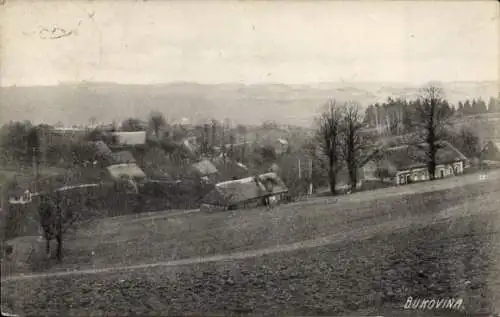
column 246, row 189
column 413, row 156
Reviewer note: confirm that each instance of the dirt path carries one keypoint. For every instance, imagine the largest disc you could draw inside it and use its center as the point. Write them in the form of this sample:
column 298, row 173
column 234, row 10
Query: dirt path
column 341, row 237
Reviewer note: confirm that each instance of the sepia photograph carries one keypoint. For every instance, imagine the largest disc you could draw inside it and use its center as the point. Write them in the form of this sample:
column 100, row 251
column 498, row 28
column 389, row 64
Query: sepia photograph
column 250, row 158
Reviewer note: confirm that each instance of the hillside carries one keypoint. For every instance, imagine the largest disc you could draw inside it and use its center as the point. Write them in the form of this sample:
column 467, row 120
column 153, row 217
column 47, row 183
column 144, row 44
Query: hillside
column 423, row 240
column 247, row 104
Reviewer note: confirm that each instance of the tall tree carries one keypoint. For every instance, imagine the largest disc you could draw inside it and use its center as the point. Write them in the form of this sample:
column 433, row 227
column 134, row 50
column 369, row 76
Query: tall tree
column 33, row 145
column 493, row 105
column 467, row 108
column 480, row 106
column 58, row 211
column 93, row 121
column 205, row 143
column 13, row 141
column 329, row 132
column 431, row 119
column 214, row 142
column 353, row 144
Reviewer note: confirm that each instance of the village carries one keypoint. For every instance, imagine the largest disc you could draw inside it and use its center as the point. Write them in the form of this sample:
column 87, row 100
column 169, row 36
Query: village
column 150, row 165
column 250, row 158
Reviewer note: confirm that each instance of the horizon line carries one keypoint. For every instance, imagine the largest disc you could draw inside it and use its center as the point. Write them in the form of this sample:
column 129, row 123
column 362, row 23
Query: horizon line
column 267, row 83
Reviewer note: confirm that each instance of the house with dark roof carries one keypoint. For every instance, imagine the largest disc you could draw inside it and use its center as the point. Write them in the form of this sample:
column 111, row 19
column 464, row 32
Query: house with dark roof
column 405, row 164
column 249, row 191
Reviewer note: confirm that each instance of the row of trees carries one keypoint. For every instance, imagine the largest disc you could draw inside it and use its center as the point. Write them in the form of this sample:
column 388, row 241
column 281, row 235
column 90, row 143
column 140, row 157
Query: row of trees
column 395, row 115
column 339, row 131
column 340, row 128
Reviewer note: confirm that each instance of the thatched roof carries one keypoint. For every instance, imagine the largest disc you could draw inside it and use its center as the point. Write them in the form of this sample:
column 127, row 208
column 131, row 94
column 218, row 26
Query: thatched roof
column 405, row 157
column 117, row 171
column 246, row 189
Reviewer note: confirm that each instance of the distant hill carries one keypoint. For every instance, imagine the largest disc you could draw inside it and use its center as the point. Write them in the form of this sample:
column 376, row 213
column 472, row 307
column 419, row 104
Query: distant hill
column 248, row 104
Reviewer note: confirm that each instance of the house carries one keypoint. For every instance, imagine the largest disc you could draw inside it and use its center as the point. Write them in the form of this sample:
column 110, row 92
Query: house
column 123, row 165
column 245, row 192
column 405, row 164
column 130, row 138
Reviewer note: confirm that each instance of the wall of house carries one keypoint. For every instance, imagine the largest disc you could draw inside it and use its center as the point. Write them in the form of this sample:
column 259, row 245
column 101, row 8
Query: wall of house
column 421, row 174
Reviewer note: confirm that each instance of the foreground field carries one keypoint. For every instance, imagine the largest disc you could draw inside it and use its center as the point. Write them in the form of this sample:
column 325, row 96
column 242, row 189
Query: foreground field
column 127, row 241
column 373, row 275
column 361, row 253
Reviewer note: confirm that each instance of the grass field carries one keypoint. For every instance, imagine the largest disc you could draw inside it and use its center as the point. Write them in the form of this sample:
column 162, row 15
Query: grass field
column 372, row 275
column 129, row 241
column 369, row 269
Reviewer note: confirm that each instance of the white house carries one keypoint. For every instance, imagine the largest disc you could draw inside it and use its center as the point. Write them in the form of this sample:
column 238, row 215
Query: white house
column 407, row 164
column 131, row 138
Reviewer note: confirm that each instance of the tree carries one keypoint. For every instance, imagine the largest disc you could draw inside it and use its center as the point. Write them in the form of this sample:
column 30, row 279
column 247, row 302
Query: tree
column 369, row 118
column 268, row 153
column 353, row 144
column 214, row 140
column 431, row 118
column 329, row 132
column 57, row 215
column 467, row 108
column 460, row 109
column 493, row 105
column 479, row 106
column 132, row 125
column 33, row 145
column 157, row 122
column 13, row 142
column 205, row 144
column 92, row 121
column 466, row 141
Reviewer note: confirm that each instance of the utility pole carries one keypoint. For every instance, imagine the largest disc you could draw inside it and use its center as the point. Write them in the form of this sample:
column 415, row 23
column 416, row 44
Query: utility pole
column 300, row 169
column 310, row 177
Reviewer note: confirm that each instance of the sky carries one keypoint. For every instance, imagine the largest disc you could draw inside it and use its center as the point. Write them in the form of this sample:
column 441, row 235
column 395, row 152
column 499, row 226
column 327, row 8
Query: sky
column 212, row 42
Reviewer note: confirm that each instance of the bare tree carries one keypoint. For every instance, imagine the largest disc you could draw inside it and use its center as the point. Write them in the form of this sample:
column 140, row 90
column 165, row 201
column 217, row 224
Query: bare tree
column 57, row 215
column 329, row 132
column 431, row 115
column 353, row 144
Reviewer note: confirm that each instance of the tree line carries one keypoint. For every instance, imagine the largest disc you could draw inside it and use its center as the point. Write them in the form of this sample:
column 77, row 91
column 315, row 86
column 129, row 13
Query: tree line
column 394, row 116
column 426, row 120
